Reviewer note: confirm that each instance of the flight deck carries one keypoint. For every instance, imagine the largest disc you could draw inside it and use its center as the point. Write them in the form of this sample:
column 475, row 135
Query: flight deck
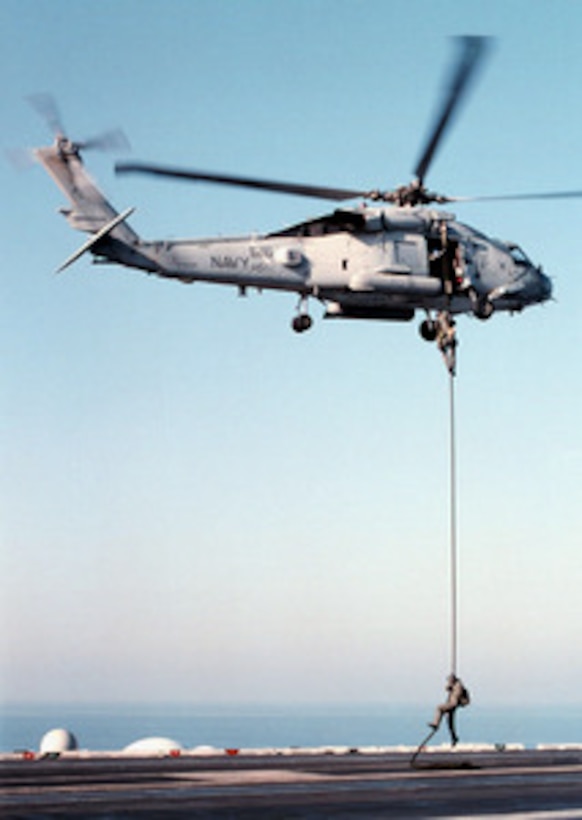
column 538, row 784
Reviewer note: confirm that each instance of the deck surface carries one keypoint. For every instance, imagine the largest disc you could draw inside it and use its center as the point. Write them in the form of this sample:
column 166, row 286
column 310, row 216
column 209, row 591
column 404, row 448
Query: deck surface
column 530, row 784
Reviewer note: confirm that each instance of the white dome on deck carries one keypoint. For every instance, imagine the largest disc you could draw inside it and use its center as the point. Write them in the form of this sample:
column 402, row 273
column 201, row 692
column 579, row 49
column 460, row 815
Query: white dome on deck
column 152, row 746
column 57, row 741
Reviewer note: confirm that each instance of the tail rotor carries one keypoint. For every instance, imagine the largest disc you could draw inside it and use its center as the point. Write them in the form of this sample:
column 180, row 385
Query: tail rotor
column 48, row 110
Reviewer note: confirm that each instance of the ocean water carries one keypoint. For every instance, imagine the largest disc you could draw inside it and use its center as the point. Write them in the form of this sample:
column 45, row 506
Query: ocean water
column 110, row 727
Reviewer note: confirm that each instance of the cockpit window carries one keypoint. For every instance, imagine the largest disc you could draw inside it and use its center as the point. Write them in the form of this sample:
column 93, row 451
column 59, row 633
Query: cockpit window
column 518, row 256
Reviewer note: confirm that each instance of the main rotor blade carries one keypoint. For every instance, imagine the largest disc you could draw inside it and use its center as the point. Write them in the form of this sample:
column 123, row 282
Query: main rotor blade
column 515, row 197
column 317, row 191
column 472, row 53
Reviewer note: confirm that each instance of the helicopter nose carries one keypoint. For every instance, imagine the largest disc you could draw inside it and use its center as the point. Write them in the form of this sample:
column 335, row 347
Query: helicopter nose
column 545, row 285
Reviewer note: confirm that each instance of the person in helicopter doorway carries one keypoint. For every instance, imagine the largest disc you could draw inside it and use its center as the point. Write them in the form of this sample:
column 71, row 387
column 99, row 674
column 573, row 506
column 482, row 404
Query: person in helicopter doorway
column 457, row 695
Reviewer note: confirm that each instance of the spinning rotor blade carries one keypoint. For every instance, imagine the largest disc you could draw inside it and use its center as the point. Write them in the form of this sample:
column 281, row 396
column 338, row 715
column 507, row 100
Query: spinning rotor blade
column 516, row 197
column 473, row 51
column 46, row 107
column 114, row 140
column 317, row 191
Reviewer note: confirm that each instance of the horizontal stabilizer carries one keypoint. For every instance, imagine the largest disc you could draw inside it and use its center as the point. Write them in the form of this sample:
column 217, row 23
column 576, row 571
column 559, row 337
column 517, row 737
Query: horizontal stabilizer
column 94, row 238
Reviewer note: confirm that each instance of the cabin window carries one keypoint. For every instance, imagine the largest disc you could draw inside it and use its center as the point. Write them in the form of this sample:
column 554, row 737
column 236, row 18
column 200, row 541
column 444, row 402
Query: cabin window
column 336, row 222
column 407, row 254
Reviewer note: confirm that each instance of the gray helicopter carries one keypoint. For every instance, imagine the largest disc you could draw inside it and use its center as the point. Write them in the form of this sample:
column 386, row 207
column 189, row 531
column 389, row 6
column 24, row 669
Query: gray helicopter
column 384, row 260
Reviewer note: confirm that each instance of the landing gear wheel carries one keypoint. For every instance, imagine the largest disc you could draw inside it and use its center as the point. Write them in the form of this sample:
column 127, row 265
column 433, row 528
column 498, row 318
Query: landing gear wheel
column 301, row 323
column 482, row 307
column 484, row 310
column 428, row 330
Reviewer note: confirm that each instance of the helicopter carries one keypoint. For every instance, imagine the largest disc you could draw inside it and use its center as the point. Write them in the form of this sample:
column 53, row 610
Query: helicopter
column 386, row 258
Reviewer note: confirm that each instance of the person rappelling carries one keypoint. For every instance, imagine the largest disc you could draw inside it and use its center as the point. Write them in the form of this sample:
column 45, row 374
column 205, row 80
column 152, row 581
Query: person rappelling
column 446, row 339
column 457, row 696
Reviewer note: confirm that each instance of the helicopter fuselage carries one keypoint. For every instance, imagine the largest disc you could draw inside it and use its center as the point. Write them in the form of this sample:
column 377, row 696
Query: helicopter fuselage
column 366, row 262
column 382, row 263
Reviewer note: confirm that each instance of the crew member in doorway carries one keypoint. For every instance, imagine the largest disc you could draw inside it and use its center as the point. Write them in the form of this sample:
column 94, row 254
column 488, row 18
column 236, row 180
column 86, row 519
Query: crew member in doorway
column 457, row 695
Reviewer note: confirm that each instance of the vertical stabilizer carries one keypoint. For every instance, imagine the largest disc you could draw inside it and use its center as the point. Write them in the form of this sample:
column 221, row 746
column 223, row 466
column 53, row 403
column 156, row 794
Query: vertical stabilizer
column 90, row 211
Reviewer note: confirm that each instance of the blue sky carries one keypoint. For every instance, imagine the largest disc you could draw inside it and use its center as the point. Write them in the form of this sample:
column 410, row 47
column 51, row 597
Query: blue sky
column 195, row 502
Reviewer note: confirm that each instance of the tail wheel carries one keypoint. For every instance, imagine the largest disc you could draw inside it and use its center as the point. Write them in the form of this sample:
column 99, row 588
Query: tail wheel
column 301, row 323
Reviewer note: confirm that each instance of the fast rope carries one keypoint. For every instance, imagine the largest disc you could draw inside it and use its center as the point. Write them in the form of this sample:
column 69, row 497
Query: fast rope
column 457, row 694
column 447, row 344
column 453, row 527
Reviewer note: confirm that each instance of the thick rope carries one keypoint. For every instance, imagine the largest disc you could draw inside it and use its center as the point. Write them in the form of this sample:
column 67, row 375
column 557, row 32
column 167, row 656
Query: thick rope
column 421, row 746
column 447, row 344
column 453, row 527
